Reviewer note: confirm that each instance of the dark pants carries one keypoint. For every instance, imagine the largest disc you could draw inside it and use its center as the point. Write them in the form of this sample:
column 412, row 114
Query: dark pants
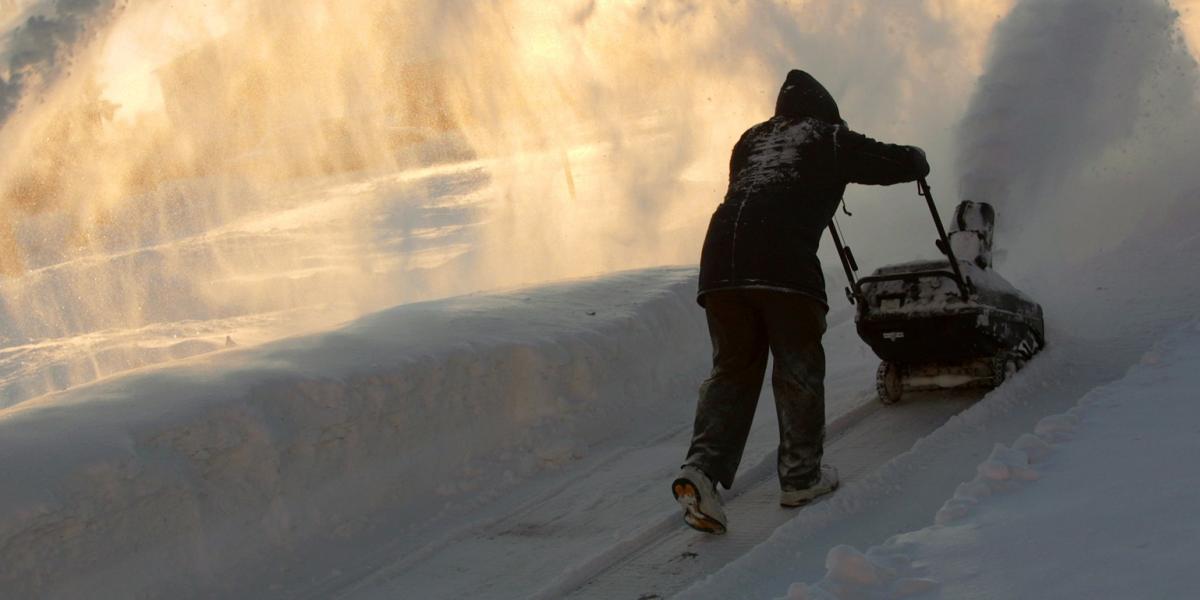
column 744, row 324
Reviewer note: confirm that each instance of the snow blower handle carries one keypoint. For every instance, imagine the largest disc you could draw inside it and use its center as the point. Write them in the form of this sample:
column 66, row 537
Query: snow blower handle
column 943, row 243
column 853, row 291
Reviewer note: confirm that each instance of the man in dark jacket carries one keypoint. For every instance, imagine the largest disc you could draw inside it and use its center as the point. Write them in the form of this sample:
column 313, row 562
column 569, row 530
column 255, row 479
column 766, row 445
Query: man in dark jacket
column 762, row 289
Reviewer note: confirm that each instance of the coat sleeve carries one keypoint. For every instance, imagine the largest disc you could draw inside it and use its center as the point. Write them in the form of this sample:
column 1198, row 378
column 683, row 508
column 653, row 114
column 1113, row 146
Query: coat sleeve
column 864, row 160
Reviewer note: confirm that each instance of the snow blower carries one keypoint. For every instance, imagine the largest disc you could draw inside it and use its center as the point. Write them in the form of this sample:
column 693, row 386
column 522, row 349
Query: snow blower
column 944, row 323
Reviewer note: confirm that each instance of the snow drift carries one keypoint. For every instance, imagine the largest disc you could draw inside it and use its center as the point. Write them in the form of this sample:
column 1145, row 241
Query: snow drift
column 1094, row 473
column 160, row 481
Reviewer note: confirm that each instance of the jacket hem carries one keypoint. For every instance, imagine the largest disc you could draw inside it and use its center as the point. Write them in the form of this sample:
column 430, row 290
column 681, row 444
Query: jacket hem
column 762, row 286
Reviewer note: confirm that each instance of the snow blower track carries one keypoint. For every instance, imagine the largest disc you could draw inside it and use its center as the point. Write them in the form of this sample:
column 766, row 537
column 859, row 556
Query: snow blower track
column 613, row 531
column 858, row 444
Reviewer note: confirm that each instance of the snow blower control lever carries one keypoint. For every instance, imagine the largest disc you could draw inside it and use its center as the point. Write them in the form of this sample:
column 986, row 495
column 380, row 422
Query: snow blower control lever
column 854, row 292
column 943, row 242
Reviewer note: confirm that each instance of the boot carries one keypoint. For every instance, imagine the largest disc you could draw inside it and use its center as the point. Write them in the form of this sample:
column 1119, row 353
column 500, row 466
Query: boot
column 701, row 503
column 791, row 498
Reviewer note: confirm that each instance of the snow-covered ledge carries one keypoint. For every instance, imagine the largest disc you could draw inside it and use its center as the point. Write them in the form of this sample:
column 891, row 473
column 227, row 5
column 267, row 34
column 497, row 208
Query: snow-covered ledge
column 171, row 475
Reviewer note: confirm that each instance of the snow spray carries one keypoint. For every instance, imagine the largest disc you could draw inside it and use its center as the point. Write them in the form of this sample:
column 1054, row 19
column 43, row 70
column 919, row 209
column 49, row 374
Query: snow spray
column 157, row 152
column 1082, row 132
column 1078, row 92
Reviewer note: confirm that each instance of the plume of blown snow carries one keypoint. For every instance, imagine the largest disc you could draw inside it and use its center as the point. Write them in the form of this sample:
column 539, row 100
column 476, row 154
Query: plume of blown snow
column 1079, row 129
column 607, row 125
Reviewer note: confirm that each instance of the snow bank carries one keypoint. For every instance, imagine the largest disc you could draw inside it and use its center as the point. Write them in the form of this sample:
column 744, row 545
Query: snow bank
column 162, row 480
column 1095, row 503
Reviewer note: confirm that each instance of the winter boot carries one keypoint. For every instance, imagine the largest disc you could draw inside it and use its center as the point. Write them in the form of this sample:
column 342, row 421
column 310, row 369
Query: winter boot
column 791, row 498
column 702, row 509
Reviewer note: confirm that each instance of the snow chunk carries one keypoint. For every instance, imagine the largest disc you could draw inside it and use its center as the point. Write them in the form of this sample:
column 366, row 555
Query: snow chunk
column 994, row 470
column 1057, row 428
column 848, row 565
column 1035, row 448
column 875, row 575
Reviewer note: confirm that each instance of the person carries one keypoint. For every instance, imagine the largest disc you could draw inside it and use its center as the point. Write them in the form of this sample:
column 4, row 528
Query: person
column 762, row 289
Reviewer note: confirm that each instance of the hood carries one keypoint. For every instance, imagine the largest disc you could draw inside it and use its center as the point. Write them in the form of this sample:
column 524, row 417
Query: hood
column 804, row 96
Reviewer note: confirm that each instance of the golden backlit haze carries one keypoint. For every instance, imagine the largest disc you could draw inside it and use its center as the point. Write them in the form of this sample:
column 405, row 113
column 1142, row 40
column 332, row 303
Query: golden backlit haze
column 267, row 90
column 205, row 162
column 597, row 134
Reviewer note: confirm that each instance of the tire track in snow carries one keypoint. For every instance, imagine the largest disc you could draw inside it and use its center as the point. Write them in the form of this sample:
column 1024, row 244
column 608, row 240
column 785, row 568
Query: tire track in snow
column 858, row 444
column 613, row 531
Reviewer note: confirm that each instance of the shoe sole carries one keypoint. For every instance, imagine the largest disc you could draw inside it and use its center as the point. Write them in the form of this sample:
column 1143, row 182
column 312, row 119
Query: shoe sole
column 808, row 501
column 688, row 497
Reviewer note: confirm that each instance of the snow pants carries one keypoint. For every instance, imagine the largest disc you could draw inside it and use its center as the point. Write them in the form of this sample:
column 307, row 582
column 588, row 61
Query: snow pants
column 744, row 325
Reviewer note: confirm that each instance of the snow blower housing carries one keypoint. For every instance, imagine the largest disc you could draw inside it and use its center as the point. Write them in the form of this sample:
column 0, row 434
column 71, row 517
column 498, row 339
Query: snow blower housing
column 944, row 323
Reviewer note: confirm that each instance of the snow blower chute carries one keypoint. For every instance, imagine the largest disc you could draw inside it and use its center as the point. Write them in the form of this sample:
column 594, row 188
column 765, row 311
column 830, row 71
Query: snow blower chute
column 944, row 323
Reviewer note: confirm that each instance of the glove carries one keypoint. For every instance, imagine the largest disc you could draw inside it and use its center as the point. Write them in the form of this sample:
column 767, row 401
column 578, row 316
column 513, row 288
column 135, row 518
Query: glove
column 920, row 163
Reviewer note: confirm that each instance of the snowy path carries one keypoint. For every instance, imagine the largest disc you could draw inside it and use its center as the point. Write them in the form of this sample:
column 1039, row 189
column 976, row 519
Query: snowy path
column 907, row 491
column 613, row 532
column 858, row 444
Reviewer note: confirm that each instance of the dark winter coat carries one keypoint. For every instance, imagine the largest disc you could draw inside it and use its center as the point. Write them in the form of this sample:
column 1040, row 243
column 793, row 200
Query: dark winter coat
column 786, row 178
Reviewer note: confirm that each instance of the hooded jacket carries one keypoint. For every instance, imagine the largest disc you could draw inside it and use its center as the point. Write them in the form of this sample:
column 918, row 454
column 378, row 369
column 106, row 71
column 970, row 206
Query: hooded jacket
column 786, row 178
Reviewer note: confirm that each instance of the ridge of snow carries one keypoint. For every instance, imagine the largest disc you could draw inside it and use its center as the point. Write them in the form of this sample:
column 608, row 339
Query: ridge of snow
column 138, row 484
column 1056, row 487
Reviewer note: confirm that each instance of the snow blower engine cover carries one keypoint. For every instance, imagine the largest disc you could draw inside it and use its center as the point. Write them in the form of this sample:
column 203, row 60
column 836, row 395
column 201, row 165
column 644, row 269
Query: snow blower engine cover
column 915, row 312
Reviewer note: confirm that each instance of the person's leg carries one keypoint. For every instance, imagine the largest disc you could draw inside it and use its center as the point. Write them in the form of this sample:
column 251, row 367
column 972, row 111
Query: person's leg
column 795, row 325
column 729, row 396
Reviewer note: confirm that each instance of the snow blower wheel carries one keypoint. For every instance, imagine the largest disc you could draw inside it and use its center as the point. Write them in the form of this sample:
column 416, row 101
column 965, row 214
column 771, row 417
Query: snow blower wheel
column 1004, row 366
column 889, row 383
